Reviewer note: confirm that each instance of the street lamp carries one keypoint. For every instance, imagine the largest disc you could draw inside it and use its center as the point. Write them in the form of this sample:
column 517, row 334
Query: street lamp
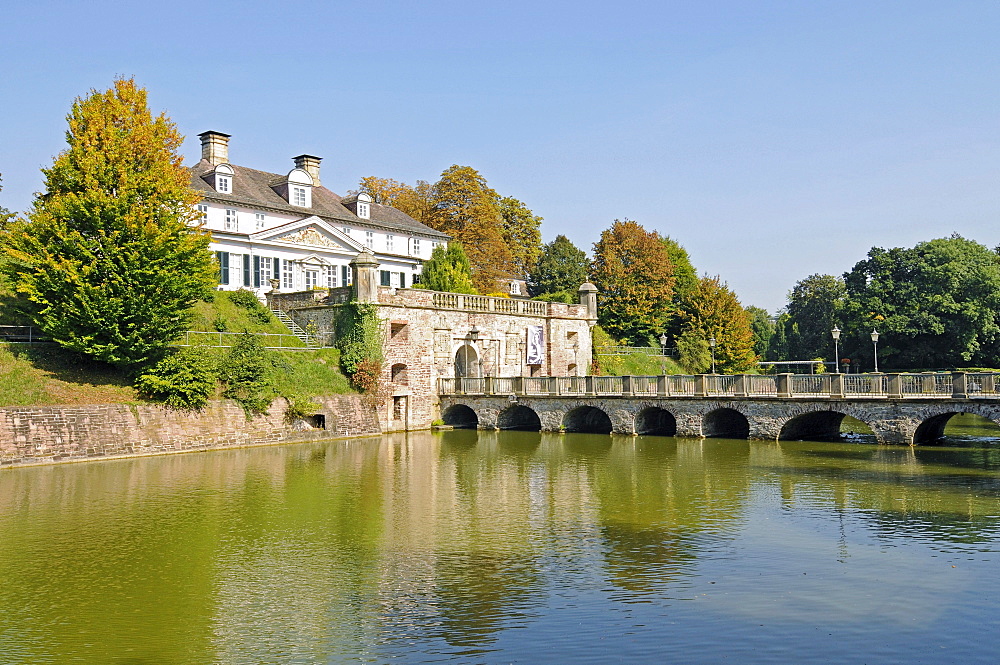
column 875, row 344
column 711, row 345
column 663, row 344
column 836, row 347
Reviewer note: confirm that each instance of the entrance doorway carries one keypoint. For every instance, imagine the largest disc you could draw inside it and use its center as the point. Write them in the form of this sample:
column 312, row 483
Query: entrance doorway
column 467, row 362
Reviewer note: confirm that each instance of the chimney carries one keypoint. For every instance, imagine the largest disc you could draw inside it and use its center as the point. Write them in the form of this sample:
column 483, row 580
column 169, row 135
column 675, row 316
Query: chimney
column 214, row 147
column 309, row 164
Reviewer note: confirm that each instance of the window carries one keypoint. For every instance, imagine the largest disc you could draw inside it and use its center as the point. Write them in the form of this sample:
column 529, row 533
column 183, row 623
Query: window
column 260, row 217
column 398, row 374
column 370, row 239
column 345, row 274
column 230, row 219
column 331, row 276
column 402, row 280
column 398, row 332
column 262, row 272
column 223, row 184
column 235, row 269
column 416, row 247
column 287, row 274
column 299, row 196
column 364, row 212
column 312, row 279
column 515, row 287
column 384, row 278
column 223, row 258
column 203, row 211
column 388, row 243
column 346, row 230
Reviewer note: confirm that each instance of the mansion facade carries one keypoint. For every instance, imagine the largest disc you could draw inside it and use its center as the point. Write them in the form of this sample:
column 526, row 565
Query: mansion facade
column 289, row 228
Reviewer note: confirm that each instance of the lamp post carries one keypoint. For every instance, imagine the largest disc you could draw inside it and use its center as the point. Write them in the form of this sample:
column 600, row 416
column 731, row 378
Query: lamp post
column 875, row 345
column 663, row 344
column 836, row 348
column 711, row 345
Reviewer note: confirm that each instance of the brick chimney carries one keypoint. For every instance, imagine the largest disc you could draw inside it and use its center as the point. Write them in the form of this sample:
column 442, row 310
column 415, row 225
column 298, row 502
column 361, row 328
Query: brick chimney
column 309, row 164
column 214, row 147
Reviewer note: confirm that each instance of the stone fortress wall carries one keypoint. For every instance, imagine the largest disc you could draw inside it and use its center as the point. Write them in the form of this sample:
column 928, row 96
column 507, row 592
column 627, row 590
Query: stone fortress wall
column 44, row 435
column 430, row 335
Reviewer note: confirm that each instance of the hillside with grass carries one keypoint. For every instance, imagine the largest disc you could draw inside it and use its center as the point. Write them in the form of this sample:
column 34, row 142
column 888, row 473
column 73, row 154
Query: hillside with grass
column 47, row 374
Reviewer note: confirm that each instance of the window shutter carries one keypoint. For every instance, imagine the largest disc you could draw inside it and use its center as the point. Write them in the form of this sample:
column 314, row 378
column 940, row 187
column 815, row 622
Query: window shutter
column 256, row 271
column 384, row 277
column 223, row 267
column 402, row 280
column 246, row 270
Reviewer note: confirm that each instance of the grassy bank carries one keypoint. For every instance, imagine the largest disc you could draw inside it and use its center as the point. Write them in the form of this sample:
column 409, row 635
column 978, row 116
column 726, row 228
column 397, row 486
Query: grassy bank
column 46, row 374
column 637, row 364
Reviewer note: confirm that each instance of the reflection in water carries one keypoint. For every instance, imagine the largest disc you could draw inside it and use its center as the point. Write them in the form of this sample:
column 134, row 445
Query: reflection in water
column 503, row 546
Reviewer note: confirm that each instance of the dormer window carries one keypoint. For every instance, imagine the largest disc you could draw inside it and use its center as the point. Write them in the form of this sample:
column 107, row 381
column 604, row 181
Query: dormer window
column 364, row 206
column 223, row 179
column 297, row 188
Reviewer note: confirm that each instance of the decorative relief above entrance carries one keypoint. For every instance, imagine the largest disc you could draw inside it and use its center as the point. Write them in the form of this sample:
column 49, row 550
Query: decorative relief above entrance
column 309, row 236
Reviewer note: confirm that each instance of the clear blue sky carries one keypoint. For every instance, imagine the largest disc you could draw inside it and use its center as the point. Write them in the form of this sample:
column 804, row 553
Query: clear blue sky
column 772, row 139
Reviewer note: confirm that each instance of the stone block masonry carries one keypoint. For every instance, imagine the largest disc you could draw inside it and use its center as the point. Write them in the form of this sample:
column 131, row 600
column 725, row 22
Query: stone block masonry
column 54, row 434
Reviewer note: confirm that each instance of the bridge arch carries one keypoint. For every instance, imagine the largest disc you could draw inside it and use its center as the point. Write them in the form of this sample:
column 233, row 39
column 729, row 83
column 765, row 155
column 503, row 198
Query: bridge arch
column 725, row 423
column 931, row 429
column 460, row 416
column 813, row 426
column 587, row 419
column 656, row 421
column 519, row 417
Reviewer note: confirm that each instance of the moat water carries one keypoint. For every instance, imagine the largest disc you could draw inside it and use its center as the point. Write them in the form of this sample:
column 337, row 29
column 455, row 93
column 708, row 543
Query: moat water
column 510, row 547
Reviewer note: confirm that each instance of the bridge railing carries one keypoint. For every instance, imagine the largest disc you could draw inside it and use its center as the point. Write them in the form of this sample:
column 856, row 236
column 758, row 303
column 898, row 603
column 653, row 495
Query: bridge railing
column 928, row 385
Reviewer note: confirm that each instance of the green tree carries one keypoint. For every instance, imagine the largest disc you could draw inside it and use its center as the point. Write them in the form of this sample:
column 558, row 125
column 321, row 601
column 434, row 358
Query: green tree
column 815, row 306
column 685, row 281
column 467, row 209
column 448, row 270
column 562, row 267
column 762, row 328
column 634, row 279
column 522, row 233
column 111, row 260
column 693, row 352
column 5, row 215
column 713, row 311
column 935, row 305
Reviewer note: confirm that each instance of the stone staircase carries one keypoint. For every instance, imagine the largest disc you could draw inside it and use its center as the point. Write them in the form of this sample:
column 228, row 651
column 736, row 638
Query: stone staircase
column 296, row 329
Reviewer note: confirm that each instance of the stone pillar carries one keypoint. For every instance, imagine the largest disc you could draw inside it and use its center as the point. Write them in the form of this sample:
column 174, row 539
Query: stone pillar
column 895, row 386
column 487, row 385
column 627, row 386
column 959, row 385
column 365, row 276
column 661, row 386
column 740, row 387
column 518, row 385
column 784, row 384
column 588, row 384
column 588, row 298
column 700, row 386
column 837, row 385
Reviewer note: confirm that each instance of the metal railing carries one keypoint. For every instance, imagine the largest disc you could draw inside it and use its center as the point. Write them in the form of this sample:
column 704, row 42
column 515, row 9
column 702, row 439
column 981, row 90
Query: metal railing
column 940, row 385
column 222, row 340
column 22, row 334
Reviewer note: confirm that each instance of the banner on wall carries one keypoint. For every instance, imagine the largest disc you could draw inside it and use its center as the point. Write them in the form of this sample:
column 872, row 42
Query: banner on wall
column 536, row 345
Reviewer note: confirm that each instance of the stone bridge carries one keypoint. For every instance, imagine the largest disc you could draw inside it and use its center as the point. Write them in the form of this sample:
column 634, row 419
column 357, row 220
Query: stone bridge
column 899, row 409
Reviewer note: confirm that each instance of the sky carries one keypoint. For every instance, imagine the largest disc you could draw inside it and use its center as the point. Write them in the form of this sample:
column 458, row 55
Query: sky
column 773, row 140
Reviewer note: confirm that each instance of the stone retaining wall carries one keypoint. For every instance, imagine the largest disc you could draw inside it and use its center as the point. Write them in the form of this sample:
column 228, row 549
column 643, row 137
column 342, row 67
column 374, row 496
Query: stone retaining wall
column 45, row 435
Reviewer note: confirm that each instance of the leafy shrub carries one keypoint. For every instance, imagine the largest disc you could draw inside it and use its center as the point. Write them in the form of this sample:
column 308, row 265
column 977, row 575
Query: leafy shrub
column 299, row 406
column 248, row 374
column 220, row 324
column 247, row 300
column 184, row 380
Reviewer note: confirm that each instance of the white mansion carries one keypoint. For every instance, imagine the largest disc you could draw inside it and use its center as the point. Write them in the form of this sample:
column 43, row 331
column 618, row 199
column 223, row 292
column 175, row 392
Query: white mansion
column 290, row 228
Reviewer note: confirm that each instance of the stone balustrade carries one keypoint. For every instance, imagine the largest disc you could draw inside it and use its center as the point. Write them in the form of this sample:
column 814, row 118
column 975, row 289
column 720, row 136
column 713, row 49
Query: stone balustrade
column 939, row 385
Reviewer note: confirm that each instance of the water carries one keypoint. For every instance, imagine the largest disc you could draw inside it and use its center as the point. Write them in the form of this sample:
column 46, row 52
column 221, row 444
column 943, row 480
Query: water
column 468, row 547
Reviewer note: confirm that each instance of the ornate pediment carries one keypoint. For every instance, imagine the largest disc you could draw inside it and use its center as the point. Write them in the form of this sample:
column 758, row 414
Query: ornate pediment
column 310, row 236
